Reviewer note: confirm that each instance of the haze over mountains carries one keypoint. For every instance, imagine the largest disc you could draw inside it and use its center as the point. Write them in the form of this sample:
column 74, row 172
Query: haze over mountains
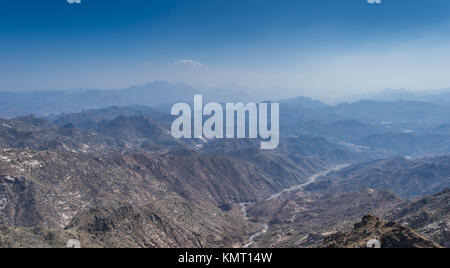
column 441, row 96
column 13, row 104
column 103, row 168
column 409, row 128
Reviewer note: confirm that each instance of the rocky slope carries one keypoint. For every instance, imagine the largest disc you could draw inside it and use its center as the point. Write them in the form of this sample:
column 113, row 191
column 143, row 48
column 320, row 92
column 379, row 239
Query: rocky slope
column 302, row 219
column 429, row 215
column 48, row 188
column 389, row 234
column 170, row 222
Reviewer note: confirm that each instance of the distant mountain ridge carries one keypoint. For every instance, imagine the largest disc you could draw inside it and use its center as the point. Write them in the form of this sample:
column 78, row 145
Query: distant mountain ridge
column 404, row 177
column 48, row 103
column 440, row 97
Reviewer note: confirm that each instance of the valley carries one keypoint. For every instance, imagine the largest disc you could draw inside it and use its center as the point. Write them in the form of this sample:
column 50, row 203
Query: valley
column 115, row 177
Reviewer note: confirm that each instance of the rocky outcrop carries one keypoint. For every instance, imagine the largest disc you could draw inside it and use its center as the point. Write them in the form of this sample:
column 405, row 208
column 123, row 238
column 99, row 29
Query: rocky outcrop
column 429, row 215
column 388, row 234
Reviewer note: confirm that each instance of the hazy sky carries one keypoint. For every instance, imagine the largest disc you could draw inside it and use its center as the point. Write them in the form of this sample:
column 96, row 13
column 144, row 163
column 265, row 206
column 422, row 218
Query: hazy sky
column 305, row 47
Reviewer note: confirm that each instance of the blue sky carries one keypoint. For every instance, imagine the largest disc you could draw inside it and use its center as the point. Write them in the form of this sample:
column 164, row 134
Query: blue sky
column 304, row 47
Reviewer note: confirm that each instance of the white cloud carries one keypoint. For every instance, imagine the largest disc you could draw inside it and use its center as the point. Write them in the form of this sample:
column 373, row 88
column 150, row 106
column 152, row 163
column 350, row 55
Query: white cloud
column 187, row 62
column 74, row 1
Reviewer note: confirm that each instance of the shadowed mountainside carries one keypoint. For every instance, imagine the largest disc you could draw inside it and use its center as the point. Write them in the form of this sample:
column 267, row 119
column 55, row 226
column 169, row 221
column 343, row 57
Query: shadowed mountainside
column 171, row 222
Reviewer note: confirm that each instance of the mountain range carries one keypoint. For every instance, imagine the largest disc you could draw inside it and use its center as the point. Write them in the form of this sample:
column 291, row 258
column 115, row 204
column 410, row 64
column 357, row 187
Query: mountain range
column 115, row 177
